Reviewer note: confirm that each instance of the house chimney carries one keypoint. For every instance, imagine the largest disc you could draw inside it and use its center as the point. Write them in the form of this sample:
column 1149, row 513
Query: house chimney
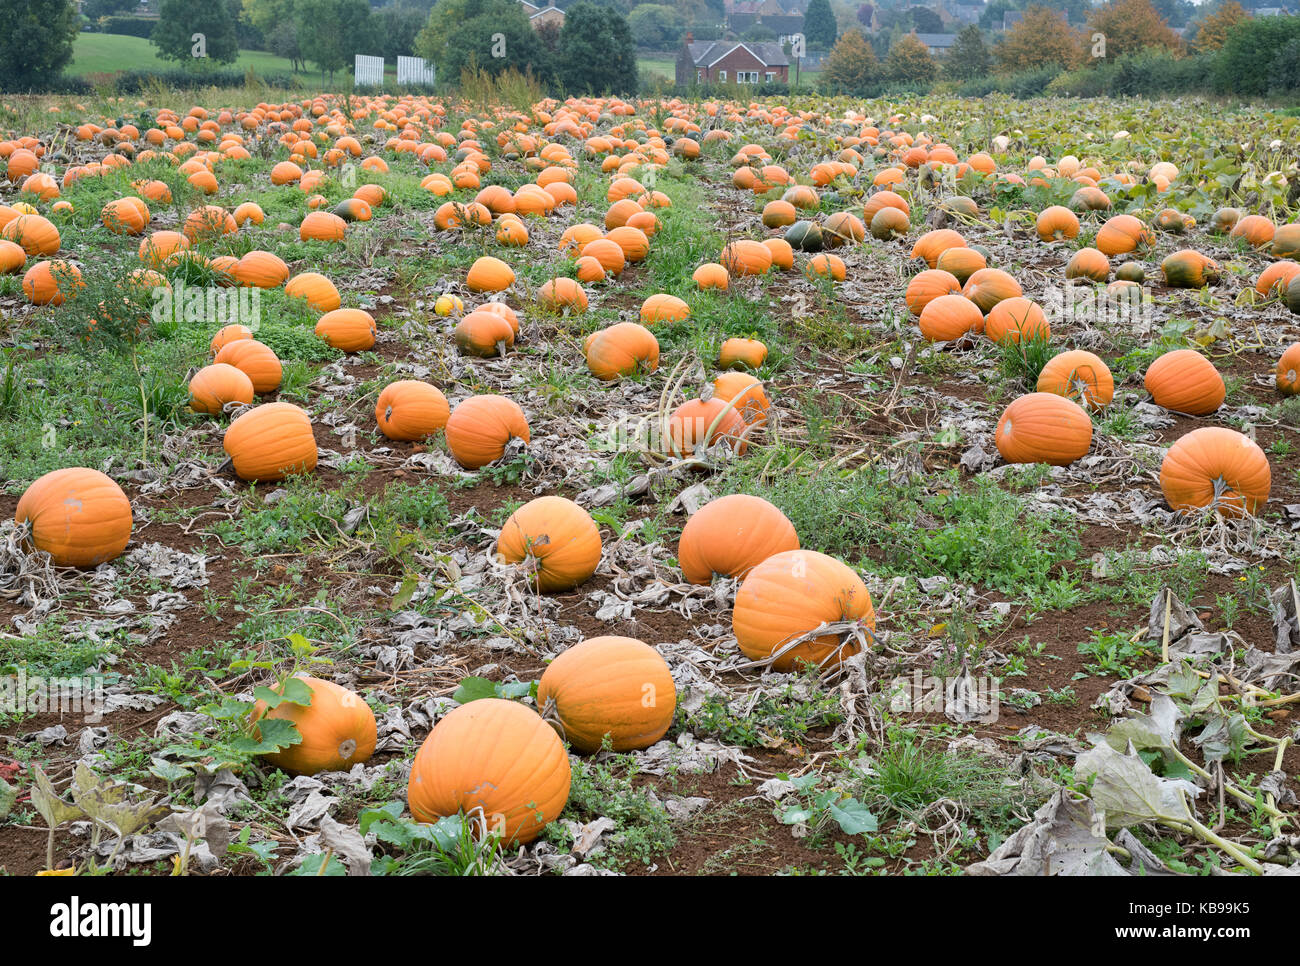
column 690, row 37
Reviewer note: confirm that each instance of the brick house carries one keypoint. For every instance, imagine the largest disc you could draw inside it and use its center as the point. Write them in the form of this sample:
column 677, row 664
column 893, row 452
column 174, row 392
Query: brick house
column 728, row 61
column 538, row 15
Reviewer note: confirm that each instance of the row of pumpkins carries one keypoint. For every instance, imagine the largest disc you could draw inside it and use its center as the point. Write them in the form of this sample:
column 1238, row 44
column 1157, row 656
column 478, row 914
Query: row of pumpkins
column 614, row 689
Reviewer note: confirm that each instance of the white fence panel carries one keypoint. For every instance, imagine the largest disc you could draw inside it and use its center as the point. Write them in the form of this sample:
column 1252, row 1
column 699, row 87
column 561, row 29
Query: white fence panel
column 414, row 70
column 369, row 70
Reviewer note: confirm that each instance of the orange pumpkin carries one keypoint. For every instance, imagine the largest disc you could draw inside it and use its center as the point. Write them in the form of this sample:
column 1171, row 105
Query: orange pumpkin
column 711, row 275
column 408, row 410
column 664, row 308
column 738, row 353
column 480, row 427
column 271, row 441
column 620, row 350
column 338, row 729
column 1288, row 371
column 351, row 330
column 212, row 387
column 949, row 317
column 50, row 282
column 1042, row 427
column 934, row 243
column 1078, row 375
column 260, row 269
column 1013, row 319
column 256, row 360
column 557, row 539
column 1088, row 263
column 496, row 758
column 989, row 286
column 319, row 292
column 80, row 517
column 322, row 226
column 614, row 689
column 1056, row 223
column 1216, row 467
column 746, row 257
column 1185, row 381
column 730, row 536
column 699, row 423
column 928, row 285
column 1123, row 234
column 562, row 295
column 789, row 595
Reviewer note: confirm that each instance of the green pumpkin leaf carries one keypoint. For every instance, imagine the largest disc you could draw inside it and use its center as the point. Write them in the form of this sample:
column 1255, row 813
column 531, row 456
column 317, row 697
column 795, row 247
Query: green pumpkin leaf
column 474, row 688
column 854, row 817
column 276, row 735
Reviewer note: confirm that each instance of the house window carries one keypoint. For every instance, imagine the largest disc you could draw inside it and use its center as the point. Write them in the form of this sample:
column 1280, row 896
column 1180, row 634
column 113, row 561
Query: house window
column 699, row 74
column 771, row 76
column 722, row 75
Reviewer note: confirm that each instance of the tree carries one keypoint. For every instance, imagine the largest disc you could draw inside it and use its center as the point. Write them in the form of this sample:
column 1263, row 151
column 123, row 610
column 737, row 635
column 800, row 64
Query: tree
column 926, row 21
column 283, row 42
column 865, row 12
column 852, row 67
column 909, row 61
column 332, row 32
column 431, row 42
column 395, row 28
column 1131, row 25
column 597, row 53
column 95, row 9
column 969, row 58
column 36, row 38
column 1042, row 38
column 656, row 25
column 195, row 33
column 995, row 13
column 1213, row 29
column 493, row 36
column 1261, row 55
column 819, row 27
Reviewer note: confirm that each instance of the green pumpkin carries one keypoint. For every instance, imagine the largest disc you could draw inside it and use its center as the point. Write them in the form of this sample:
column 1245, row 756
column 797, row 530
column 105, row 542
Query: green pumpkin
column 804, row 236
column 1131, row 272
column 1292, row 295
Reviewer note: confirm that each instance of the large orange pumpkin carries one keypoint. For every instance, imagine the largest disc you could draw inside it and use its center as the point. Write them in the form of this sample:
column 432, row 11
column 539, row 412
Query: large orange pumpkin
column 271, row 441
column 1288, row 370
column 949, row 317
column 338, row 730
column 789, row 595
column 495, row 757
column 1185, row 381
column 351, row 330
column 80, row 517
column 615, row 688
column 699, row 423
column 215, row 385
column 731, row 535
column 1042, row 427
column 1216, row 467
column 410, row 410
column 257, row 360
column 557, row 538
column 620, row 350
column 480, row 427
column 1078, row 375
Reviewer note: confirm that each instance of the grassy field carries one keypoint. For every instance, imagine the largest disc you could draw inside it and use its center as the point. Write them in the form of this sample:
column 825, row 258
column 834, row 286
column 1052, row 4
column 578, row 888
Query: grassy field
column 107, row 53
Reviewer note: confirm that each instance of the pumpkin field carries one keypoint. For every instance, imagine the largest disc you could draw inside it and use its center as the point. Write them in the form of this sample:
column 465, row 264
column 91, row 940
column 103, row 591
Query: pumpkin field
column 397, row 485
